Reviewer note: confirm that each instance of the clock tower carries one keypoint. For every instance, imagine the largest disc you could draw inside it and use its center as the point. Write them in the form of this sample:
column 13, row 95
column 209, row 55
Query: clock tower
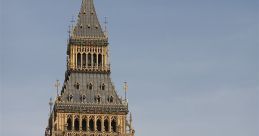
column 88, row 104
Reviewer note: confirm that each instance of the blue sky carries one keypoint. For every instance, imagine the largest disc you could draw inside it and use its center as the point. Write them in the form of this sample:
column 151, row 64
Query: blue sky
column 192, row 66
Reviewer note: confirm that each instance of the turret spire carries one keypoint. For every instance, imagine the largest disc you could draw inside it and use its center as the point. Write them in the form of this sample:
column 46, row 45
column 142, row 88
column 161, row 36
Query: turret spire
column 88, row 25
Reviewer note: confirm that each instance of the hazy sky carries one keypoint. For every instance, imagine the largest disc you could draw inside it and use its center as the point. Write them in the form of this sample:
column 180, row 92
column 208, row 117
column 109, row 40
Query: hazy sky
column 192, row 65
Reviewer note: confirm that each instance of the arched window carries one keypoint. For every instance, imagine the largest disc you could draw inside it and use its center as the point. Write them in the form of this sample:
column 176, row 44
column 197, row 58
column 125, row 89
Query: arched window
column 77, row 85
column 69, row 124
column 99, row 59
column 83, row 98
column 89, row 59
column 106, row 125
column 90, row 86
column 70, row 97
column 111, row 99
column 84, row 125
column 98, row 99
column 114, row 125
column 76, row 123
column 95, row 59
column 99, row 125
column 102, row 86
column 84, row 60
column 91, row 125
column 79, row 60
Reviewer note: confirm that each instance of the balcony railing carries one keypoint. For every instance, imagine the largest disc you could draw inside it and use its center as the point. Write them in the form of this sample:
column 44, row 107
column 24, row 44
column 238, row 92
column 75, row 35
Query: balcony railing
column 93, row 68
column 92, row 108
column 82, row 133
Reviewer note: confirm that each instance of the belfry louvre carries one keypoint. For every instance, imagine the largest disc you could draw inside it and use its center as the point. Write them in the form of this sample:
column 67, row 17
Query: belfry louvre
column 88, row 104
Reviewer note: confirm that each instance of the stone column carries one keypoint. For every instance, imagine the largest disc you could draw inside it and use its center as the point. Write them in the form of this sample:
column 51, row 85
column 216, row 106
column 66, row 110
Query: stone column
column 95, row 126
column 75, row 57
column 80, row 122
column 81, row 60
column 110, row 124
column 92, row 60
column 103, row 124
column 73, row 123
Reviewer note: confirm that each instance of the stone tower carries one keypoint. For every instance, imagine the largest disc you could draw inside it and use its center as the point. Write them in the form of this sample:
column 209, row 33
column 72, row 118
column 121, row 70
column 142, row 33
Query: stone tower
column 88, row 104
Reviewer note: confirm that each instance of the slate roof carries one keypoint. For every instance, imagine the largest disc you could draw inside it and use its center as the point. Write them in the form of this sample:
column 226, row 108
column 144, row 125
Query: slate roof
column 83, row 80
column 87, row 25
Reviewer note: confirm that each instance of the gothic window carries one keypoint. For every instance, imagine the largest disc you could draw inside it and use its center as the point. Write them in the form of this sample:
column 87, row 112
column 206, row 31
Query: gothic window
column 111, row 99
column 89, row 57
column 69, row 124
column 95, row 59
column 79, row 60
column 90, row 86
column 83, row 98
column 99, row 59
column 77, row 85
column 84, row 124
column 98, row 99
column 114, row 125
column 99, row 125
column 91, row 125
column 70, row 97
column 106, row 125
column 76, row 123
column 102, row 87
column 84, row 60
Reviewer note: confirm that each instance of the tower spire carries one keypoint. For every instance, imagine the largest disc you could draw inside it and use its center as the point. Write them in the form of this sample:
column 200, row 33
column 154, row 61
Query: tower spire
column 88, row 25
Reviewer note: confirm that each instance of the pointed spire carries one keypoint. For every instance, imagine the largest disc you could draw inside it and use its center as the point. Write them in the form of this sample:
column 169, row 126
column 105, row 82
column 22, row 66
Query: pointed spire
column 88, row 25
column 50, row 106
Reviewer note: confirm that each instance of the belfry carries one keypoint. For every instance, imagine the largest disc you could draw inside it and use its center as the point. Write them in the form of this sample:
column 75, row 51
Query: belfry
column 88, row 104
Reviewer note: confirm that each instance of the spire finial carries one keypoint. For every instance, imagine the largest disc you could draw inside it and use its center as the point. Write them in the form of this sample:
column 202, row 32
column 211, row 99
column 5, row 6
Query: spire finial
column 125, row 89
column 70, row 27
column 50, row 105
column 106, row 26
column 57, row 84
